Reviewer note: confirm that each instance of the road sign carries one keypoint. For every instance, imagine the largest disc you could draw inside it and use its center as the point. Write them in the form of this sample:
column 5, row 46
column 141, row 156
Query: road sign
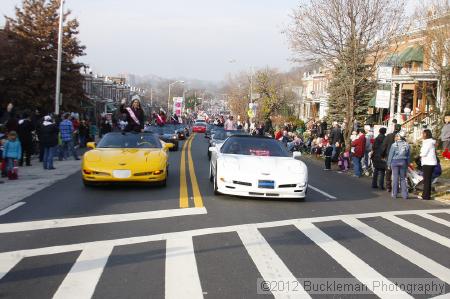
column 384, row 73
column 383, row 99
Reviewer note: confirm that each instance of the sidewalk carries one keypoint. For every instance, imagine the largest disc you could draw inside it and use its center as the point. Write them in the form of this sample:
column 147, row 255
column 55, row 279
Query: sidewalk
column 33, row 179
column 442, row 192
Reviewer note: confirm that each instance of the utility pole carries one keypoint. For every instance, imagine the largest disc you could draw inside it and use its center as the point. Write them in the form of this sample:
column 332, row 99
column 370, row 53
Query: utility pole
column 151, row 97
column 58, row 63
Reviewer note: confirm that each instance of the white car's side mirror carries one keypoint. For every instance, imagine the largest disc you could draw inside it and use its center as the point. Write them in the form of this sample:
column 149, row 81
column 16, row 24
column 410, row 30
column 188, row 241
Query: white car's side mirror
column 212, row 149
column 296, row 155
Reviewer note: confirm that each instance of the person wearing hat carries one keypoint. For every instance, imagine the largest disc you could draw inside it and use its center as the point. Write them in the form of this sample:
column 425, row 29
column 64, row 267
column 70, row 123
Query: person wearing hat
column 135, row 115
column 398, row 161
column 385, row 148
column 49, row 138
column 379, row 163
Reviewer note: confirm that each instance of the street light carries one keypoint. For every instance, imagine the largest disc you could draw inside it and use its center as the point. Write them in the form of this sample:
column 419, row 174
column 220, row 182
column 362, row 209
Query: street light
column 168, row 98
column 58, row 63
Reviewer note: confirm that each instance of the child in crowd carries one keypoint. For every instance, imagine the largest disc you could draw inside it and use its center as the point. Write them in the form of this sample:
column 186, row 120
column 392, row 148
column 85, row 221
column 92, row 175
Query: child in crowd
column 344, row 159
column 12, row 152
column 328, row 153
column 317, row 146
column 3, row 139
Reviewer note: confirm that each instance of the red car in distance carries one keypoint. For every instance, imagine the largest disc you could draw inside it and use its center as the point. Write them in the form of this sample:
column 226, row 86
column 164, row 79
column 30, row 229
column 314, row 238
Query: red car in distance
column 199, row 127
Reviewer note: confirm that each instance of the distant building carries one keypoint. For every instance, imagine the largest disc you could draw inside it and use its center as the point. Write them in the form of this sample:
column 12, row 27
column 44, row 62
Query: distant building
column 314, row 94
column 105, row 93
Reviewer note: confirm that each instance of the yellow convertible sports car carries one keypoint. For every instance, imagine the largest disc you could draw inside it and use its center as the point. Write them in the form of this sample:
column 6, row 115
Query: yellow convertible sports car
column 126, row 157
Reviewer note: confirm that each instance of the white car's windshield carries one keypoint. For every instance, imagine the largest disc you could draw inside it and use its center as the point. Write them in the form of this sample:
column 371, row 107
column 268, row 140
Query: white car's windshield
column 254, row 146
column 222, row 134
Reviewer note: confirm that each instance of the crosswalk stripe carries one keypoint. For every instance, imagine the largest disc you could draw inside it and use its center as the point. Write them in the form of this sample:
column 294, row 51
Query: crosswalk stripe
column 353, row 264
column 181, row 279
column 7, row 262
column 84, row 275
column 419, row 230
column 102, row 219
column 268, row 262
column 435, row 219
column 201, row 231
column 11, row 208
column 427, row 264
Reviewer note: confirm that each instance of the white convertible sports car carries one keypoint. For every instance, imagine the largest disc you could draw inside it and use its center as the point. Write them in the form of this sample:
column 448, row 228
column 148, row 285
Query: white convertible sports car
column 257, row 167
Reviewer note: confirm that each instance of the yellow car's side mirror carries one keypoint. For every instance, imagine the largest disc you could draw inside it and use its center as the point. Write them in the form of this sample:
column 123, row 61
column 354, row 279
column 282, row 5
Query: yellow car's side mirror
column 90, row 145
column 168, row 145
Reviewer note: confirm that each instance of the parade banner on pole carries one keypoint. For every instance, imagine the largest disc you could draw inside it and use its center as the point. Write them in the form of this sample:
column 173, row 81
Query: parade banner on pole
column 178, row 105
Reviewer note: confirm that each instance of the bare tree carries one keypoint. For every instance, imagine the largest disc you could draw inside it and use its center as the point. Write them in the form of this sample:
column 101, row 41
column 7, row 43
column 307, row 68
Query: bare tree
column 237, row 91
column 435, row 18
column 348, row 34
column 274, row 91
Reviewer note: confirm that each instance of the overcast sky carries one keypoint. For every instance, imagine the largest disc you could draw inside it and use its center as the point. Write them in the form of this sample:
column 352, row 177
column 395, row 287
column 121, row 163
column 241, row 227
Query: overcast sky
column 179, row 38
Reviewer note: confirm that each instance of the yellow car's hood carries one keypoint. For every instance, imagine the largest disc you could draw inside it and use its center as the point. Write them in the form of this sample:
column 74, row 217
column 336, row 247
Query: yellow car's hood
column 125, row 156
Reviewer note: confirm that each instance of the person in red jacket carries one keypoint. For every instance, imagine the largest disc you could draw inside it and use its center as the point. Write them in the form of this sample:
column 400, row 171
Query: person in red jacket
column 360, row 145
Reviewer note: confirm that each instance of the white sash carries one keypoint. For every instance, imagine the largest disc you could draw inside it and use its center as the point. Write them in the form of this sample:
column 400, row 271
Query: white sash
column 133, row 116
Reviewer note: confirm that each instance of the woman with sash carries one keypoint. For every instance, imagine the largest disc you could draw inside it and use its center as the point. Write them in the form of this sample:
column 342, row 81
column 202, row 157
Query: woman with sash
column 135, row 115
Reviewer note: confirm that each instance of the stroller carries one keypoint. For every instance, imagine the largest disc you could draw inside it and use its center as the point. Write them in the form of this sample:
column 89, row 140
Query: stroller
column 414, row 178
column 415, row 175
column 368, row 171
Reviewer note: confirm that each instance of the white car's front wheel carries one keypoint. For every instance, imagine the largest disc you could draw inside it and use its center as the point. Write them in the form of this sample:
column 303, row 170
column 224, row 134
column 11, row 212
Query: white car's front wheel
column 216, row 189
column 211, row 176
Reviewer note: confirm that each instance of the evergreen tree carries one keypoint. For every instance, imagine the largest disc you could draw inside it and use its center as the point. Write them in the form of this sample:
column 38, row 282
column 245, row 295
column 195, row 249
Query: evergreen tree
column 32, row 83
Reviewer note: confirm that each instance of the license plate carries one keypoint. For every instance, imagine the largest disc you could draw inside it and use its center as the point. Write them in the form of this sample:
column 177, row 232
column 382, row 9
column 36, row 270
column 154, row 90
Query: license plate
column 266, row 184
column 121, row 174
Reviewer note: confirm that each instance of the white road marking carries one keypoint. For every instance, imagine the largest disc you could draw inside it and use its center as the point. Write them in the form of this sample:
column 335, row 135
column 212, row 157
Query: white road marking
column 436, row 219
column 7, row 262
column 102, row 219
column 203, row 231
column 268, row 262
column 419, row 230
column 82, row 279
column 427, row 264
column 353, row 264
column 182, row 280
column 180, row 247
column 322, row 192
column 11, row 207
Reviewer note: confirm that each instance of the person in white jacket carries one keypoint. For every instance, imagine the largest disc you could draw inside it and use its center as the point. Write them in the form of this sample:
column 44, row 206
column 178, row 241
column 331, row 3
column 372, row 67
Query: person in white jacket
column 428, row 160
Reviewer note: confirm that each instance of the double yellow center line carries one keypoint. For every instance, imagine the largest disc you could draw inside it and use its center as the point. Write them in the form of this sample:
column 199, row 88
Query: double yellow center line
column 184, row 194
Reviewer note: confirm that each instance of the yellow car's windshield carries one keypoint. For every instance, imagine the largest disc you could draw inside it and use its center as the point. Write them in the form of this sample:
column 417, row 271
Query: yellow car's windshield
column 129, row 140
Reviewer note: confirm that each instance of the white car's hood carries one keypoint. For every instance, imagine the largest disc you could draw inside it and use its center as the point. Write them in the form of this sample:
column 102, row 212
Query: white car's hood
column 262, row 166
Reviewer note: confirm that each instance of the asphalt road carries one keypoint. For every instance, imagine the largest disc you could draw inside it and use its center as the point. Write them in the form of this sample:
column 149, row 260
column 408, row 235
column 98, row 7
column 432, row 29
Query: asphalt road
column 182, row 241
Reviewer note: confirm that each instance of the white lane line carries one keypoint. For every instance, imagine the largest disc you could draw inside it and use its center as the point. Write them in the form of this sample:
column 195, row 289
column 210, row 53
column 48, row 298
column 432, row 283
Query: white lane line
column 268, row 262
column 182, row 280
column 114, row 218
column 82, row 279
column 352, row 263
column 427, row 264
column 7, row 262
column 419, row 230
column 11, row 207
column 322, row 192
column 202, row 232
column 435, row 219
